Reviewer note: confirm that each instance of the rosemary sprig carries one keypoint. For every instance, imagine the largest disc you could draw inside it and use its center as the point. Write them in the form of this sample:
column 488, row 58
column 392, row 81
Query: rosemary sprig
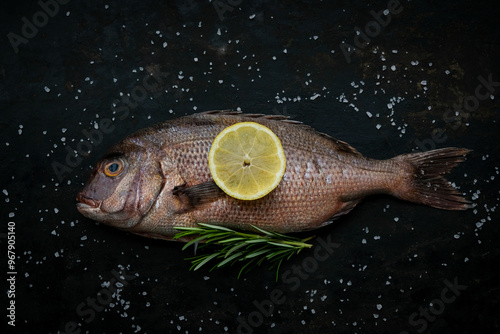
column 249, row 249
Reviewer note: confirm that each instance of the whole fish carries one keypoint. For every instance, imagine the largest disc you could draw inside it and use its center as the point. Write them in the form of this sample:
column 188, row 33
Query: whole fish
column 158, row 178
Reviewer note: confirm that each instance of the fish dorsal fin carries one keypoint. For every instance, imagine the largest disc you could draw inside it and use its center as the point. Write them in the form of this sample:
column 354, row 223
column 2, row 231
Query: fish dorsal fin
column 279, row 118
column 230, row 112
column 341, row 145
column 222, row 112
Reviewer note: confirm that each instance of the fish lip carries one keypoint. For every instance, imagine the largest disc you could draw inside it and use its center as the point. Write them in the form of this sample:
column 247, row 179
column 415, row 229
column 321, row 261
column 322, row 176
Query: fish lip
column 86, row 202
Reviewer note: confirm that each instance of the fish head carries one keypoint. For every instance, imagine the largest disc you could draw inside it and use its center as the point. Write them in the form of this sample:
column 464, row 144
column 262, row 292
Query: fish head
column 122, row 188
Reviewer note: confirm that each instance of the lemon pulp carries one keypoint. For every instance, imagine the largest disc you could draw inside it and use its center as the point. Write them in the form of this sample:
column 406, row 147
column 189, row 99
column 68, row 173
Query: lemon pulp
column 247, row 161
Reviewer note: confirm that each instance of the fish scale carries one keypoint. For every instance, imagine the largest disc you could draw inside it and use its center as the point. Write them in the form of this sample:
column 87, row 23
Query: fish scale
column 304, row 188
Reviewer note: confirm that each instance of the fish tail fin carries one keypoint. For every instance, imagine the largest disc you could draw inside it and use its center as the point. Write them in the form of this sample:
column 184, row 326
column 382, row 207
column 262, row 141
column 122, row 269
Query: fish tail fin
column 424, row 182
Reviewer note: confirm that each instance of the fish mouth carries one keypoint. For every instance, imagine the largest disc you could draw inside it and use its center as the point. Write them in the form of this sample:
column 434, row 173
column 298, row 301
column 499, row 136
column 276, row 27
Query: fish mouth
column 86, row 203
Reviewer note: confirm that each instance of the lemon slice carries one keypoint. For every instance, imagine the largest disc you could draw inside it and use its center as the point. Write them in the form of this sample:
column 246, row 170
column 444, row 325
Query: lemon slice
column 247, row 160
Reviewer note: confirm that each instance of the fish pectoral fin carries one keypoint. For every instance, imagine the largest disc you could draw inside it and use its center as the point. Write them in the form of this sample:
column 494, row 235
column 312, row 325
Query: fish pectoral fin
column 193, row 196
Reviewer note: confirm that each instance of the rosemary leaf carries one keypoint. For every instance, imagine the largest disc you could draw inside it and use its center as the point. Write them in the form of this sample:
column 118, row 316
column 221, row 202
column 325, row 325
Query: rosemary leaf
column 206, row 259
column 263, row 231
column 257, row 253
column 234, row 248
column 216, row 227
column 229, row 259
column 194, row 241
column 280, row 244
column 282, row 252
column 230, row 240
column 245, row 267
column 254, row 241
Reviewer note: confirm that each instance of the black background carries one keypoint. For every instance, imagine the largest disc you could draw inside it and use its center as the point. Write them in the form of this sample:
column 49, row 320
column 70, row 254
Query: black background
column 263, row 57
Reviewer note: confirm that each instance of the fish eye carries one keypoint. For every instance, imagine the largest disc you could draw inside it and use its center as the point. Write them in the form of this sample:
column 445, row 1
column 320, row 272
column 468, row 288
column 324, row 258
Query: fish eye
column 113, row 168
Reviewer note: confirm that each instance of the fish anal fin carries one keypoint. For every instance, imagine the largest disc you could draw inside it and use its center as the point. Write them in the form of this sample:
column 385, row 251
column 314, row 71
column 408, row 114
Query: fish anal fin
column 345, row 208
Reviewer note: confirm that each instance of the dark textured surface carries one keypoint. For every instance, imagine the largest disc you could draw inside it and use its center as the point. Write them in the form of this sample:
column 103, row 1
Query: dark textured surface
column 390, row 258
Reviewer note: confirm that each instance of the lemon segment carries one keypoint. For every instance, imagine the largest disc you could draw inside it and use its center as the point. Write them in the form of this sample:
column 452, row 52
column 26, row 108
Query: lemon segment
column 247, row 161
